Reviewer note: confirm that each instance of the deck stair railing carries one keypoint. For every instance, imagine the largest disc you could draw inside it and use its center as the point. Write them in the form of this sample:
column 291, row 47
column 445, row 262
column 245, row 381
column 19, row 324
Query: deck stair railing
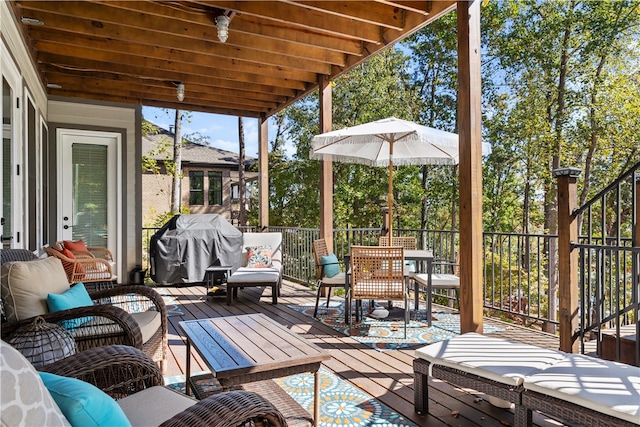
column 608, row 246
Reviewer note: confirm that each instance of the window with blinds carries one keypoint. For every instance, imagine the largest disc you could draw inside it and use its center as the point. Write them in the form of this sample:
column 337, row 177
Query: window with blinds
column 196, row 188
column 90, row 193
column 215, row 188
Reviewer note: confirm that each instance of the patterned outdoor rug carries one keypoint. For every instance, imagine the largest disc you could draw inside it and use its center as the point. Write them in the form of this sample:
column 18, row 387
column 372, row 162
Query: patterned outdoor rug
column 341, row 404
column 388, row 334
column 173, row 308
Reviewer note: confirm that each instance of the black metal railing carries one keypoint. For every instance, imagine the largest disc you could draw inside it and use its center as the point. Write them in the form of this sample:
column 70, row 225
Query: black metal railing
column 609, row 263
column 518, row 283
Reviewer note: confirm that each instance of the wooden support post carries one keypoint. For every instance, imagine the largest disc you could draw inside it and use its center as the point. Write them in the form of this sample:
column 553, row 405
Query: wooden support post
column 636, row 220
column 326, row 166
column 567, row 257
column 470, row 170
column 263, row 172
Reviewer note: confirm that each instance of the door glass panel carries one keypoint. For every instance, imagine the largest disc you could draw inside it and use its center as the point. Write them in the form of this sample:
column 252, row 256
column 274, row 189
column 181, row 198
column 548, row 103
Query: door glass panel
column 89, row 183
column 7, row 155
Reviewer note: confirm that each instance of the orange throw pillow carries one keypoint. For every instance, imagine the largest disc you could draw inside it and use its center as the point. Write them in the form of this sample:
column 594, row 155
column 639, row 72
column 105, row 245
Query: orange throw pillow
column 75, row 246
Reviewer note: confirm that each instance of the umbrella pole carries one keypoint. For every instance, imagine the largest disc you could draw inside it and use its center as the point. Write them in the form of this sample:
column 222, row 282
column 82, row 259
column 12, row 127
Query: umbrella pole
column 390, row 192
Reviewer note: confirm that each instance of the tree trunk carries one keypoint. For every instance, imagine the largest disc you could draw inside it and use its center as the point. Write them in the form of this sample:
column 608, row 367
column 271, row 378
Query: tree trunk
column 242, row 187
column 176, row 191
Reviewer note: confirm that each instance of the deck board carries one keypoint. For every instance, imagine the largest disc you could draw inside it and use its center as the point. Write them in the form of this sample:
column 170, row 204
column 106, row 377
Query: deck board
column 387, row 376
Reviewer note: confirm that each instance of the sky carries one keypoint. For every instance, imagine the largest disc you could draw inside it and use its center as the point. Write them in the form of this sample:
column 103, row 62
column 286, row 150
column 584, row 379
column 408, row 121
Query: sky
column 221, row 131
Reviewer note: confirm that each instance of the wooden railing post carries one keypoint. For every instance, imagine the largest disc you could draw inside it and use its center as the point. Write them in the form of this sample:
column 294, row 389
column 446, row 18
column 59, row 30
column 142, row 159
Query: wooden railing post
column 567, row 257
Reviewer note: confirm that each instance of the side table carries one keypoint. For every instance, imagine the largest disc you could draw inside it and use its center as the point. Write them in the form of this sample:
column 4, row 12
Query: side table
column 210, row 274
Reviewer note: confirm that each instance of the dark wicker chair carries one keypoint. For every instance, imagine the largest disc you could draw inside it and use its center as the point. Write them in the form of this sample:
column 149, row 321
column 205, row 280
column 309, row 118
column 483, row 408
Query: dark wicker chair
column 123, row 371
column 112, row 320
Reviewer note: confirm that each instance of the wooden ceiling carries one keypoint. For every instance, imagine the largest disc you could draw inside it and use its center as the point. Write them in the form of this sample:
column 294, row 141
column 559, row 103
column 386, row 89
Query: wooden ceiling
column 136, row 52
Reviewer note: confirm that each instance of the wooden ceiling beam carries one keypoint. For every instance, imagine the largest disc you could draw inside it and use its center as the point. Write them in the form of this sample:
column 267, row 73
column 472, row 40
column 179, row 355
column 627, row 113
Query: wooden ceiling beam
column 88, row 67
column 213, row 109
column 291, row 14
column 54, row 74
column 247, row 24
column 285, row 62
column 107, row 50
column 374, row 13
column 152, row 102
column 125, row 24
column 55, row 48
column 422, row 7
column 255, row 25
column 166, row 91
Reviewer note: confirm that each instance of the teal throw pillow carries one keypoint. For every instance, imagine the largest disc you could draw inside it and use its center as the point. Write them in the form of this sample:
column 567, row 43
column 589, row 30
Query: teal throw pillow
column 82, row 403
column 331, row 265
column 77, row 296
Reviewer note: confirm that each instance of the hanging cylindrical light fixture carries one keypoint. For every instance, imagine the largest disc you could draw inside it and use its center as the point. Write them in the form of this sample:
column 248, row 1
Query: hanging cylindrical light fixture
column 222, row 22
column 180, row 92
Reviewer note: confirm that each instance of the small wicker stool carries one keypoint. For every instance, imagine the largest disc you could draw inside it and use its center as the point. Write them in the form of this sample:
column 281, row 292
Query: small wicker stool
column 296, row 416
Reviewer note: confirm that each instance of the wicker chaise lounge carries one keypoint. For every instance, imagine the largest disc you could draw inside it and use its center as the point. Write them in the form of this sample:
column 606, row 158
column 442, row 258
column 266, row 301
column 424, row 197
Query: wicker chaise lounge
column 573, row 388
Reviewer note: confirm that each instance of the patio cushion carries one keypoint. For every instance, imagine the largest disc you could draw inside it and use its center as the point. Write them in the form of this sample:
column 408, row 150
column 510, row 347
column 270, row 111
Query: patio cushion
column 255, row 275
column 25, row 399
column 273, row 239
column 82, row 403
column 608, row 387
column 338, row 279
column 500, row 360
column 259, row 256
column 75, row 297
column 149, row 323
column 26, row 284
column 154, row 405
column 78, row 245
column 331, row 265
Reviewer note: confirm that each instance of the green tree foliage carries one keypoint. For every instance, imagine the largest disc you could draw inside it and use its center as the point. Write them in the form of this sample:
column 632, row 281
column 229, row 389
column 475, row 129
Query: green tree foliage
column 560, row 88
column 377, row 89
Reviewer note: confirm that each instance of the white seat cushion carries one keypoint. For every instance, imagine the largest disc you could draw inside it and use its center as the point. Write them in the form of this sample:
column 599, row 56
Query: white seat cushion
column 442, row 281
column 607, row 387
column 153, row 406
column 499, row 360
column 254, row 275
column 149, row 322
column 338, row 279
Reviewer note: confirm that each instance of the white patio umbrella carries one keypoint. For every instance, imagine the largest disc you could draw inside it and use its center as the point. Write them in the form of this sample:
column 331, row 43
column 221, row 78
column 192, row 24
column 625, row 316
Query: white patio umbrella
column 388, row 142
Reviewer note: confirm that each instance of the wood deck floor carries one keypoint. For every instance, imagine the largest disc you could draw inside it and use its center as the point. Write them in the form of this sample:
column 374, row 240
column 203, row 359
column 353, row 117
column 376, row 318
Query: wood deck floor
column 387, row 376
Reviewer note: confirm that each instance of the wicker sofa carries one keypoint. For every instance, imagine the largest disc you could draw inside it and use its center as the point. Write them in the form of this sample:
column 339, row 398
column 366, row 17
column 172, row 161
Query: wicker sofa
column 268, row 275
column 124, row 373
column 573, row 388
column 131, row 315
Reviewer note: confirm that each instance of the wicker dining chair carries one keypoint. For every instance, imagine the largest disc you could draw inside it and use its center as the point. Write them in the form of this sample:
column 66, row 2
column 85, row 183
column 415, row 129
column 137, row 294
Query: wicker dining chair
column 320, row 250
column 407, row 242
column 378, row 273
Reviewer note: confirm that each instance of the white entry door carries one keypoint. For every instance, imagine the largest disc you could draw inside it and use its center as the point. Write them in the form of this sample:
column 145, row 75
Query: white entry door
column 89, row 175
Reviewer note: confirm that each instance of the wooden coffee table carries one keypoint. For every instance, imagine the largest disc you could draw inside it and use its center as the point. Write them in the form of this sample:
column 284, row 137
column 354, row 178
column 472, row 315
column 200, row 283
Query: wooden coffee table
column 251, row 347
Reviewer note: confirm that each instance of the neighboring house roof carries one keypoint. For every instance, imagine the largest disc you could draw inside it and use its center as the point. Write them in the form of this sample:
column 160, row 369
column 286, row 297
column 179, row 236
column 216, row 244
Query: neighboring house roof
column 191, row 152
